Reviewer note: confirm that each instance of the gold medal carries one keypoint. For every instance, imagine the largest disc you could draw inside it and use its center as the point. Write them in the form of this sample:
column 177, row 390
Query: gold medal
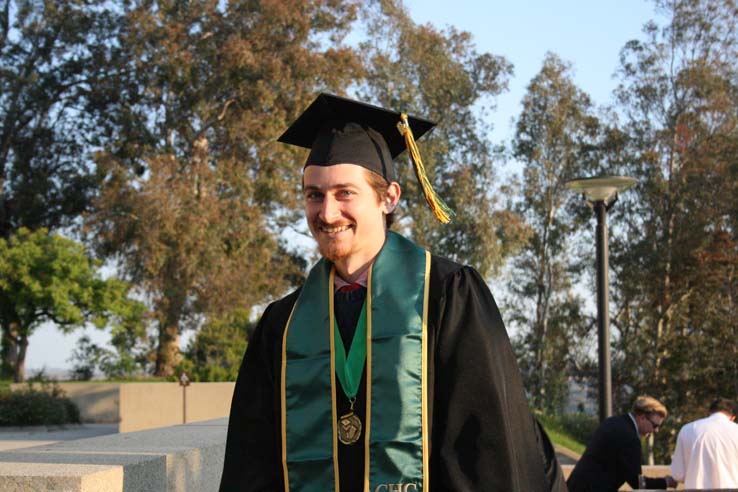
column 349, row 428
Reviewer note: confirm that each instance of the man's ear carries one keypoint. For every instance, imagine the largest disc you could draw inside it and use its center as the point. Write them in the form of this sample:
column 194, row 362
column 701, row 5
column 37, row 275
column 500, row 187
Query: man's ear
column 392, row 197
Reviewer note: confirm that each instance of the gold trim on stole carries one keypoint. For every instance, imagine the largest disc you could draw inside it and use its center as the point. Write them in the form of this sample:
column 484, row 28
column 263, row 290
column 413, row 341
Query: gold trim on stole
column 283, row 396
column 334, row 411
column 424, row 374
column 368, row 417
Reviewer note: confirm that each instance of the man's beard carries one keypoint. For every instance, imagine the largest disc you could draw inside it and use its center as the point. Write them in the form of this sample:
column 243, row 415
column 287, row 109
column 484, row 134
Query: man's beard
column 333, row 251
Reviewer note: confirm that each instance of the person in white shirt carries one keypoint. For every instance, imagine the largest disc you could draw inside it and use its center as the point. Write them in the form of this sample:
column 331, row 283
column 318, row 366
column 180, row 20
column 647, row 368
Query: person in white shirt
column 706, row 454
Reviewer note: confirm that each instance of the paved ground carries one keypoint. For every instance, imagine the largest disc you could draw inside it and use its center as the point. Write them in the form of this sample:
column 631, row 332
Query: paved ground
column 26, row 437
column 566, row 456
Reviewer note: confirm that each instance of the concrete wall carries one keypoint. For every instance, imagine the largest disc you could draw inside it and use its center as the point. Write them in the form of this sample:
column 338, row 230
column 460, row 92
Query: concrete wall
column 207, row 401
column 152, row 405
column 139, row 406
column 183, row 458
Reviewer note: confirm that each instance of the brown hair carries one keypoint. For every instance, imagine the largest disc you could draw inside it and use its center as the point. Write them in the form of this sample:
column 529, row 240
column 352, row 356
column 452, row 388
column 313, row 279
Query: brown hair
column 379, row 185
column 645, row 405
column 724, row 405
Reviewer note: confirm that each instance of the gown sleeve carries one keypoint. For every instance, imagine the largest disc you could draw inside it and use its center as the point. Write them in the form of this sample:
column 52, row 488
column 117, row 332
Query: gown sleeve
column 554, row 474
column 484, row 435
column 252, row 461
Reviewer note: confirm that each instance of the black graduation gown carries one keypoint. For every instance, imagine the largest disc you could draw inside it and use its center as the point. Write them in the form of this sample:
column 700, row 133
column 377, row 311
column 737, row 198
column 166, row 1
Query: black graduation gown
column 483, row 436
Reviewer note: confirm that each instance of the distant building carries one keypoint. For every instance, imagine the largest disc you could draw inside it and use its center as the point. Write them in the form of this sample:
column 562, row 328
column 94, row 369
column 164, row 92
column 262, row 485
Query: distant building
column 579, row 400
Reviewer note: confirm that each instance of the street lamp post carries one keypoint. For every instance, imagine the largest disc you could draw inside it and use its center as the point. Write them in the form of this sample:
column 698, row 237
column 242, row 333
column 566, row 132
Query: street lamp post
column 601, row 193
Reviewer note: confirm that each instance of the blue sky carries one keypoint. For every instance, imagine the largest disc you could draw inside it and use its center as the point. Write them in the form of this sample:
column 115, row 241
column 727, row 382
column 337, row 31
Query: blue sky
column 587, row 33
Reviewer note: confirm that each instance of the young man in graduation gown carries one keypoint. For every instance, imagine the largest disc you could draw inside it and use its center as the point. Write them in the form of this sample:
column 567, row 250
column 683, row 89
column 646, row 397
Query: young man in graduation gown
column 390, row 368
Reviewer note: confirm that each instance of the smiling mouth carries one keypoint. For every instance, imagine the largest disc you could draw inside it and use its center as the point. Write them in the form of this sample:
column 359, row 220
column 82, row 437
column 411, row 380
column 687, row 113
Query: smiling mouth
column 333, row 229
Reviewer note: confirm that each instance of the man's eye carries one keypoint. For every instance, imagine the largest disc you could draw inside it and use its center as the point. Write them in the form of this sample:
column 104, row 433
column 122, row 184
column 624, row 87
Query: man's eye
column 346, row 193
column 313, row 196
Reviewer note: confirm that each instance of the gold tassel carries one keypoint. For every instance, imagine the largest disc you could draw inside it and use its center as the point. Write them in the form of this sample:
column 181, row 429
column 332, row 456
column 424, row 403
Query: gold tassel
column 442, row 211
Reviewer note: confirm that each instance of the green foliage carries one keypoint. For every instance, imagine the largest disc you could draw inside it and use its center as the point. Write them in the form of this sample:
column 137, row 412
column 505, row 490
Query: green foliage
column 216, row 351
column 44, row 406
column 54, row 60
column 131, row 357
column 46, row 278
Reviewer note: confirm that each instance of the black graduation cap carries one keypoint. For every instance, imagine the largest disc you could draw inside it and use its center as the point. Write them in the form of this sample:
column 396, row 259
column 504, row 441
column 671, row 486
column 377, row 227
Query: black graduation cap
column 338, row 130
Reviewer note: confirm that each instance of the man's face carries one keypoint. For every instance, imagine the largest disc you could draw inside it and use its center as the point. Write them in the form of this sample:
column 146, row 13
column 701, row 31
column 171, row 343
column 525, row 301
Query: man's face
column 344, row 213
column 649, row 423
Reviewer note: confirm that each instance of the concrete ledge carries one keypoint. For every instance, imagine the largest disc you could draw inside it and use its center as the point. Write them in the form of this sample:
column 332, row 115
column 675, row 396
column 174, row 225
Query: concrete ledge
column 47, row 478
column 182, row 458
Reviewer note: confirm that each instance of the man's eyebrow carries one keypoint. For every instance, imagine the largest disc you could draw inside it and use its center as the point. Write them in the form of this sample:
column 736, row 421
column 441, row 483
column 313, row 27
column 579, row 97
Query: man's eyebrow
column 336, row 186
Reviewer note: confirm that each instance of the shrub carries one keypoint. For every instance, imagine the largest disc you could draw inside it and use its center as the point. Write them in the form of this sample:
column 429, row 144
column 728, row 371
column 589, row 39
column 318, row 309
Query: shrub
column 579, row 425
column 29, row 406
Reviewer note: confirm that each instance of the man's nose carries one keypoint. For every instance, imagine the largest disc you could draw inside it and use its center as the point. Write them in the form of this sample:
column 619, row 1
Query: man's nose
column 329, row 209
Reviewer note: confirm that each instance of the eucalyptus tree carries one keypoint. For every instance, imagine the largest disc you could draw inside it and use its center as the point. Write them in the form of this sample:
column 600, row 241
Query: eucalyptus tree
column 556, row 139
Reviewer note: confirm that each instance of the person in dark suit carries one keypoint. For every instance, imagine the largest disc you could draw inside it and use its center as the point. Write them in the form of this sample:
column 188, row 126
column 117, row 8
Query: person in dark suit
column 613, row 455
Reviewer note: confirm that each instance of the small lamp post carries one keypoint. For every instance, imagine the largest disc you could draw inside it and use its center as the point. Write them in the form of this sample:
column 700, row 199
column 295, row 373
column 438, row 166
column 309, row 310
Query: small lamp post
column 601, row 193
column 184, row 382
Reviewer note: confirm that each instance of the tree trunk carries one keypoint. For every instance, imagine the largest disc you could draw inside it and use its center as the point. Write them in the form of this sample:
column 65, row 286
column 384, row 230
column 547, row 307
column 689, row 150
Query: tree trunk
column 663, row 327
column 20, row 363
column 9, row 351
column 167, row 354
column 542, row 307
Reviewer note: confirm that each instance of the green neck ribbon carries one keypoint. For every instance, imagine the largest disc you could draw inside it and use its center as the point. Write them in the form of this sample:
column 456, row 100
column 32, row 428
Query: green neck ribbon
column 349, row 369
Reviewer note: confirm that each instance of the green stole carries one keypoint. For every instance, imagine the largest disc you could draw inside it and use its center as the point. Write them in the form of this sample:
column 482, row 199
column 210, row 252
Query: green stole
column 396, row 432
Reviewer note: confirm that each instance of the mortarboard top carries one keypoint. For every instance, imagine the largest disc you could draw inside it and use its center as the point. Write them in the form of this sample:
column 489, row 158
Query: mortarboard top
column 338, row 130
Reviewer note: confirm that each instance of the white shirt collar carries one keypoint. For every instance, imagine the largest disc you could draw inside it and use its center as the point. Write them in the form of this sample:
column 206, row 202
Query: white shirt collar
column 363, row 280
column 719, row 415
column 635, row 424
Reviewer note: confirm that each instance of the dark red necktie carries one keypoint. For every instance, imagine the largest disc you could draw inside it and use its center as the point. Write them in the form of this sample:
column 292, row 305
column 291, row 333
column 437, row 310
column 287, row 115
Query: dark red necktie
column 350, row 287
